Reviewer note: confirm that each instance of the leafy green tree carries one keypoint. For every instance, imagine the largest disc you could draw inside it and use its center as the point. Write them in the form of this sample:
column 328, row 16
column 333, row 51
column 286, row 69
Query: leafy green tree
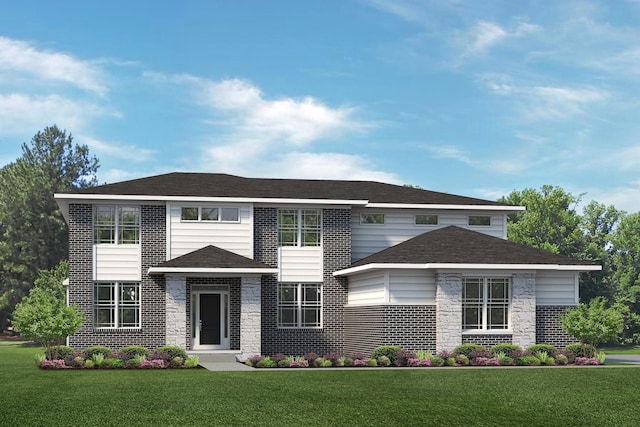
column 44, row 315
column 593, row 323
column 33, row 233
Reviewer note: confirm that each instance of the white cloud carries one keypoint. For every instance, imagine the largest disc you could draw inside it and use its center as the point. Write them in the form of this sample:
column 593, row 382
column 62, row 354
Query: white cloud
column 19, row 59
column 626, row 197
column 511, row 163
column 484, row 35
column 129, row 152
column 560, row 102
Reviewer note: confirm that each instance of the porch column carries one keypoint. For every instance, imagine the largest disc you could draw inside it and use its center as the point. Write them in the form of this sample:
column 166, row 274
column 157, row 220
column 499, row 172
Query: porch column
column 448, row 311
column 176, row 317
column 523, row 309
column 250, row 315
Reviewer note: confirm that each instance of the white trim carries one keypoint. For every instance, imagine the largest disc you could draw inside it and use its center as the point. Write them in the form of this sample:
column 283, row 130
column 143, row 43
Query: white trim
column 487, row 332
column 440, row 206
column 387, row 285
column 225, row 342
column 429, row 266
column 168, row 232
column 188, row 270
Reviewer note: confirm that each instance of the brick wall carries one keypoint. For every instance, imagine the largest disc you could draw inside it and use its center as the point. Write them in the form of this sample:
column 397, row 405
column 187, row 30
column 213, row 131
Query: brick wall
column 153, row 248
column 234, row 306
column 412, row 327
column 336, row 243
column 548, row 329
column 487, row 340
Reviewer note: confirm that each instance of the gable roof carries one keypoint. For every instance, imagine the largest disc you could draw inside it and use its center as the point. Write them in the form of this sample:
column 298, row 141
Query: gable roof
column 212, row 259
column 212, row 185
column 456, row 247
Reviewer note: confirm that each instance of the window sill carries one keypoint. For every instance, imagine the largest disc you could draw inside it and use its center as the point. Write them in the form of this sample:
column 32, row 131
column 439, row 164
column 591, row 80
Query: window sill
column 488, row 332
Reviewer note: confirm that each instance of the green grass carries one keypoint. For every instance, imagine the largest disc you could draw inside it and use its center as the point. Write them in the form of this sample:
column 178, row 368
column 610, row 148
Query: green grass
column 428, row 396
column 621, row 349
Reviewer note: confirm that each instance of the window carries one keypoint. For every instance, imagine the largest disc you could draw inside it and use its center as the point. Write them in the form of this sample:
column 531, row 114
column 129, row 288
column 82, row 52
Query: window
column 116, row 224
column 299, row 227
column 372, row 218
column 116, row 305
column 483, row 220
column 485, row 303
column 209, row 214
column 299, row 305
column 426, row 219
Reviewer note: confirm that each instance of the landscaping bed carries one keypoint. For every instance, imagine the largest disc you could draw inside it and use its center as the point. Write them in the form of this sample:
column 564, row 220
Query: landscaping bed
column 463, row 355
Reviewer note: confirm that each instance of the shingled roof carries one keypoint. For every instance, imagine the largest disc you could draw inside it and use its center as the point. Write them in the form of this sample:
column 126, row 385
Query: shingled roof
column 212, row 258
column 455, row 245
column 223, row 185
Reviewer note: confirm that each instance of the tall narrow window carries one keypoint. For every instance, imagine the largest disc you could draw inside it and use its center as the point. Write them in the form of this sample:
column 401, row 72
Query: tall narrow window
column 116, row 305
column 299, row 305
column 116, row 224
column 299, row 227
column 485, row 303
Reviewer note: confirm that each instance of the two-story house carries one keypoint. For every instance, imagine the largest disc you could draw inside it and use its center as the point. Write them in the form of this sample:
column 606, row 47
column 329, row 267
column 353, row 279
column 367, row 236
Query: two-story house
column 220, row 262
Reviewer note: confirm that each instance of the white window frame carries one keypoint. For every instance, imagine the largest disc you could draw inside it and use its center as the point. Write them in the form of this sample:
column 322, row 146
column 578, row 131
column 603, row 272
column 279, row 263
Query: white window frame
column 478, row 216
column 117, row 227
column 299, row 305
column 219, row 219
column 299, row 228
column 116, row 304
column 375, row 216
column 485, row 304
column 415, row 220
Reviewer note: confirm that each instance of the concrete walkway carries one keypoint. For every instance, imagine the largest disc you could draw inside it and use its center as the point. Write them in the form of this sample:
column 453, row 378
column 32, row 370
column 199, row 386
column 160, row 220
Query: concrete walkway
column 221, row 362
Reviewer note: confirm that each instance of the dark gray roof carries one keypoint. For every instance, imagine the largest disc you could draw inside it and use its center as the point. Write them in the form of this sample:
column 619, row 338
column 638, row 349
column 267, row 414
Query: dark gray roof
column 222, row 185
column 455, row 245
column 212, row 257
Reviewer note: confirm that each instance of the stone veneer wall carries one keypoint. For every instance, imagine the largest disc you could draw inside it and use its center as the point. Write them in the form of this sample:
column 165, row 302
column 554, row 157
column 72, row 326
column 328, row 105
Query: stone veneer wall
column 523, row 309
column 336, row 243
column 412, row 327
column 153, row 249
column 250, row 315
column 234, row 306
column 448, row 311
column 176, row 311
column 548, row 329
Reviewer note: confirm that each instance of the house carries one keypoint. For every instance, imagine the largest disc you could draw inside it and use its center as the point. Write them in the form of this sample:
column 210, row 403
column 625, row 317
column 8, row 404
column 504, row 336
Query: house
column 220, row 262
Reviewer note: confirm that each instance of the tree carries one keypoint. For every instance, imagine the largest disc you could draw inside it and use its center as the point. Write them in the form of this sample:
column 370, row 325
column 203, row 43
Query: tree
column 593, row 323
column 44, row 315
column 33, row 233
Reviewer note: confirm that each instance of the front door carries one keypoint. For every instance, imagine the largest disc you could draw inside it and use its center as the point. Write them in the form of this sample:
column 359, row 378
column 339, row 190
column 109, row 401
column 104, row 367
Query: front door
column 212, row 321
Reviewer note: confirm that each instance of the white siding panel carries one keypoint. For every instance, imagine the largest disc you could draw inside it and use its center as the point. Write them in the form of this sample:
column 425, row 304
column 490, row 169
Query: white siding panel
column 366, row 288
column 399, row 226
column 556, row 288
column 300, row 264
column 412, row 287
column 187, row 236
column 117, row 262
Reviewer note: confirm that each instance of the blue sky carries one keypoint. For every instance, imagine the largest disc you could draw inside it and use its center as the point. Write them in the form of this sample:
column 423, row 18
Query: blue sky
column 466, row 97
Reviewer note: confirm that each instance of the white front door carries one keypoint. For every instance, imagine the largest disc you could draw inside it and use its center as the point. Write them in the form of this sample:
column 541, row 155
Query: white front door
column 212, row 321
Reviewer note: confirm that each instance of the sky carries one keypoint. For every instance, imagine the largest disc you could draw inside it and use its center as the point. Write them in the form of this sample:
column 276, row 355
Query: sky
column 477, row 98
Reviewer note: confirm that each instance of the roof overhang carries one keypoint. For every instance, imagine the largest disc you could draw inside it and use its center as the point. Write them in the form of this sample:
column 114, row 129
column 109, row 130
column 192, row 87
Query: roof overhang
column 453, row 266
column 211, row 271
column 506, row 208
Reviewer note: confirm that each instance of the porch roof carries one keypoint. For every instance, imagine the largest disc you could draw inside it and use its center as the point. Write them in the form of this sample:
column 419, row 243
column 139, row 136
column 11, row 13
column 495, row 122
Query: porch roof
column 212, row 259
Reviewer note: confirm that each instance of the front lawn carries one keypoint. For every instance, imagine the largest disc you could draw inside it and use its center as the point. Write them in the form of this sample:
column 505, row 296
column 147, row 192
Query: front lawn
column 440, row 397
column 621, row 349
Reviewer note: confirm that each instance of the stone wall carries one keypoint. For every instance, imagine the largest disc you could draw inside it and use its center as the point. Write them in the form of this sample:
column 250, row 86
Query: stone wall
column 448, row 311
column 523, row 309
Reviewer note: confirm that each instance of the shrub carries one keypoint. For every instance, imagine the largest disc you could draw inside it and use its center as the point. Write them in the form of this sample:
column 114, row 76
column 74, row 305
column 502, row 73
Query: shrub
column 390, row 351
column 527, row 361
column 52, row 364
column 132, row 351
column 98, row 359
column 69, row 358
column 348, row 361
column 466, row 349
column 326, row 363
column 173, row 351
column 253, row 360
column 111, row 362
column 341, row 361
column 561, row 359
column 77, row 362
column 176, row 362
column 318, row 362
column 89, row 364
column 159, row 355
column 461, row 359
column 334, row 357
column 384, row 361
column 311, row 357
column 549, row 349
column 64, row 351
column 479, row 352
column 285, row 363
column 372, row 362
column 403, row 356
column 39, row 358
column 300, row 362
column 586, row 361
column 423, row 354
column 89, row 352
column 266, row 363
column 542, row 356
column 414, row 362
column 485, row 361
column 153, row 364
column 191, row 361
column 136, row 361
column 601, row 356
column 503, row 359
column 450, row 361
column 581, row 350
column 360, row 362
column 436, row 361
column 507, row 349
column 445, row 354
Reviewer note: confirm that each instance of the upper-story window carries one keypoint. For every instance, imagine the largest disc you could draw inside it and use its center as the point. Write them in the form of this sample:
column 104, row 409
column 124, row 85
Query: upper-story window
column 116, row 224
column 426, row 219
column 479, row 220
column 210, row 214
column 299, row 227
column 372, row 218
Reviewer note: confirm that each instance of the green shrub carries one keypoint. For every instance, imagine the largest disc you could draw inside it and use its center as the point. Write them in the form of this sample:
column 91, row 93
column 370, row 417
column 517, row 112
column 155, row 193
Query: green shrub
column 503, row 359
column 64, row 351
column 450, row 361
column 327, row 363
column 390, row 351
column 372, row 362
column 98, row 359
column 348, row 361
column 131, row 351
column 111, row 362
column 77, row 362
column 340, row 361
column 461, row 359
column 266, row 363
column 89, row 364
column 467, row 349
column 527, row 361
column 424, row 355
column 89, row 352
column 549, row 349
column 191, row 361
column 436, row 361
column 176, row 362
column 173, row 351
column 136, row 361
column 561, row 359
column 507, row 349
column 39, row 358
column 384, row 361
column 581, row 350
column 601, row 356
column 550, row 361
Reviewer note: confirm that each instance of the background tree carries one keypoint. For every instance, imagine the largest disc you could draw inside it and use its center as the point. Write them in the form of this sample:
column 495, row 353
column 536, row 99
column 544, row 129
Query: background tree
column 44, row 315
column 33, row 233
